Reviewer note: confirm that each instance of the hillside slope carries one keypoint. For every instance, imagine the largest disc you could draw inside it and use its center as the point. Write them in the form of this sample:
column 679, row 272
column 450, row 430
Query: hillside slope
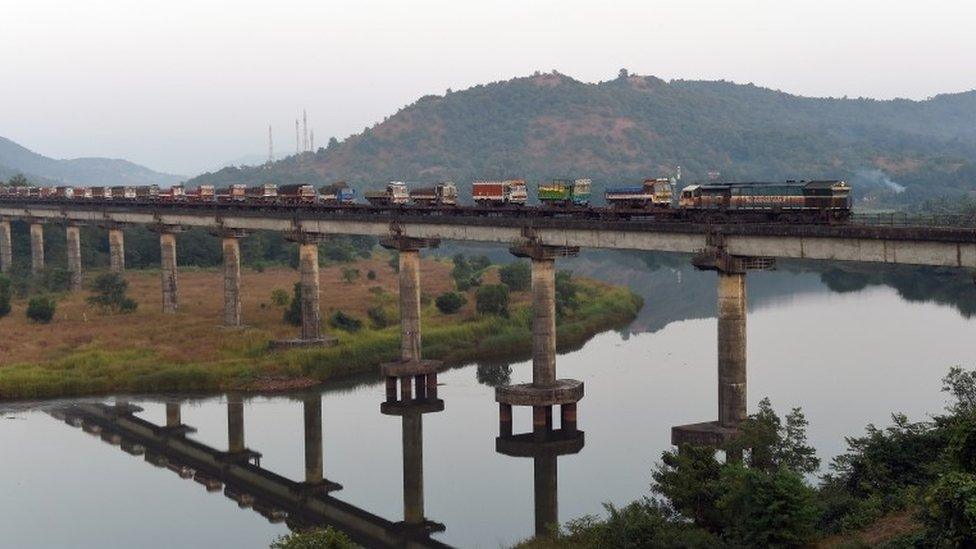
column 550, row 125
column 41, row 169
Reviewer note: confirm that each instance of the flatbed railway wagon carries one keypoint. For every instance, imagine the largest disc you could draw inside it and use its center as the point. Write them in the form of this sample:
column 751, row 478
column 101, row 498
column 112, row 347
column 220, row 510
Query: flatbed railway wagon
column 510, row 192
column 395, row 194
column 442, row 194
column 267, row 192
column 337, row 193
column 565, row 193
column 796, row 201
column 653, row 193
column 298, row 193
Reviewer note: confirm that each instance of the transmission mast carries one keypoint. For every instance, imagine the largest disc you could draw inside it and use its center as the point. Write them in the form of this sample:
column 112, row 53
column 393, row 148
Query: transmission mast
column 298, row 143
column 304, row 131
column 270, row 146
column 311, row 139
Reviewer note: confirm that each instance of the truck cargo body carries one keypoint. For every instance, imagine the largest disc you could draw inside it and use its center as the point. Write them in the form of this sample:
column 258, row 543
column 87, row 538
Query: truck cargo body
column 564, row 193
column 395, row 194
column 653, row 193
column 442, row 194
column 267, row 192
column 123, row 193
column 499, row 193
column 148, row 192
column 235, row 193
column 203, row 193
column 301, row 193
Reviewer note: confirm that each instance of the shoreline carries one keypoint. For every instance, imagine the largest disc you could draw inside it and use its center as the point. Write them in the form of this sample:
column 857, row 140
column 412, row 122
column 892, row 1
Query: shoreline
column 240, row 360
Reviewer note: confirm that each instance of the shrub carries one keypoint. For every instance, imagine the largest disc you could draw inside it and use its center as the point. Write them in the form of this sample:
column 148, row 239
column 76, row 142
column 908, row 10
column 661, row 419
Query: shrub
column 517, row 276
column 382, row 316
column 4, row 296
column 110, row 295
column 293, row 314
column 492, row 300
column 350, row 274
column 279, row 297
column 40, row 309
column 371, row 274
column 467, row 271
column 450, row 302
column 566, row 289
column 342, row 321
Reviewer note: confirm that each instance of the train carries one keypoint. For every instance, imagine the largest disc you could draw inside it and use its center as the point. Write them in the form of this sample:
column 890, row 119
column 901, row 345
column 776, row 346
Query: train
column 819, row 201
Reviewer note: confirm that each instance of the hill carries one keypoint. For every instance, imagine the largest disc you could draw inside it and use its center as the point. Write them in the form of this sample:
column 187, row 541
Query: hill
column 43, row 170
column 550, row 125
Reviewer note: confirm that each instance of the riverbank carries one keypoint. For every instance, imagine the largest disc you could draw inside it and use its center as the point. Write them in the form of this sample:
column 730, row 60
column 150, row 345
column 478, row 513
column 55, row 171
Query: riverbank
column 83, row 353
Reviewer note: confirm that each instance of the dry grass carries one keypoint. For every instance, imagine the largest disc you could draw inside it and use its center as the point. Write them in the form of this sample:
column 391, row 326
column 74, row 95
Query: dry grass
column 881, row 531
column 82, row 352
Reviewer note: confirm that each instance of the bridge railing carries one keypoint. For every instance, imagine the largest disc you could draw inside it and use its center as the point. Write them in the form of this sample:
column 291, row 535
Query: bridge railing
column 904, row 219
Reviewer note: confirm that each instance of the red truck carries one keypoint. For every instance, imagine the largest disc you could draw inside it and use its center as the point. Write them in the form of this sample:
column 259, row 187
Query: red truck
column 499, row 193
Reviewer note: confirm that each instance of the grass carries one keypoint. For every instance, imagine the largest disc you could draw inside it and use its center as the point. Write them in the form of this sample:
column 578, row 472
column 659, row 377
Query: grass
column 85, row 354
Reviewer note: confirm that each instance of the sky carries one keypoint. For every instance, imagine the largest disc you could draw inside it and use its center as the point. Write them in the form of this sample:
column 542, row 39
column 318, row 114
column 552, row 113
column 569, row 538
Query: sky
column 185, row 86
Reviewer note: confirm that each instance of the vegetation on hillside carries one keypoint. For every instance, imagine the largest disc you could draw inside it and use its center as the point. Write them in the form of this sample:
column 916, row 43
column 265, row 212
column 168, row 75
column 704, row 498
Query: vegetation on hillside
column 631, row 127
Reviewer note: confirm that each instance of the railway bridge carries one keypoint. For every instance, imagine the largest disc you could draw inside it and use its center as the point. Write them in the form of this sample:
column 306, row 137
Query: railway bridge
column 729, row 249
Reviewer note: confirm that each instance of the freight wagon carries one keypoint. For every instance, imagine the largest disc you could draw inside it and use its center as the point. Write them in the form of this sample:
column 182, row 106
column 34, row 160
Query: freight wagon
column 442, row 194
column 337, row 193
column 499, row 193
column 394, row 194
column 565, row 193
column 653, row 193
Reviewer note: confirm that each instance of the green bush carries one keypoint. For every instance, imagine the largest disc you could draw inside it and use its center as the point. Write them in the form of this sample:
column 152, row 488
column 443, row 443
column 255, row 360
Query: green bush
column 517, row 276
column 350, row 274
column 279, row 297
column 492, row 300
column 329, row 538
column 4, row 296
column 450, row 302
column 342, row 321
column 110, row 289
column 293, row 314
column 40, row 309
column 382, row 316
column 467, row 271
column 371, row 274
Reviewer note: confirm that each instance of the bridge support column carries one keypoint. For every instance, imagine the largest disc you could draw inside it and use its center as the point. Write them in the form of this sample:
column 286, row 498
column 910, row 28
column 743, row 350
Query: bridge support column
column 311, row 314
column 232, row 281
column 545, row 391
column 37, row 247
column 167, row 257
column 116, row 250
column 732, row 403
column 6, row 247
column 411, row 364
column 73, row 234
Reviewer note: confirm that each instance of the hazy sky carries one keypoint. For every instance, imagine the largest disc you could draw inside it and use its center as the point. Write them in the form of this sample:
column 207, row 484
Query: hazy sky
column 185, row 85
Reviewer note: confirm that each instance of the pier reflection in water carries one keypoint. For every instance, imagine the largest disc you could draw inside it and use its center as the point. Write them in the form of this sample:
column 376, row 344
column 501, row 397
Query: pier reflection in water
column 238, row 473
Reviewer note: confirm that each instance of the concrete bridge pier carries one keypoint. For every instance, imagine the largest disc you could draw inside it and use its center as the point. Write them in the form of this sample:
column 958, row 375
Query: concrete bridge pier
column 411, row 365
column 545, row 391
column 168, row 271
column 230, row 243
column 6, row 247
column 37, row 247
column 73, row 234
column 314, row 469
column 311, row 312
column 116, row 250
column 732, row 403
column 173, row 416
column 235, row 424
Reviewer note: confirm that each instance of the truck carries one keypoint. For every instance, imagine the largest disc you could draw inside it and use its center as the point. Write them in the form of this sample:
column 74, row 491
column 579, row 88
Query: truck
column 499, row 193
column 123, row 193
column 147, row 192
column 441, row 194
column 234, row 193
column 337, row 193
column 565, row 193
column 395, row 194
column 64, row 192
column 101, row 193
column 652, row 193
column 267, row 192
column 297, row 193
column 176, row 193
column 203, row 193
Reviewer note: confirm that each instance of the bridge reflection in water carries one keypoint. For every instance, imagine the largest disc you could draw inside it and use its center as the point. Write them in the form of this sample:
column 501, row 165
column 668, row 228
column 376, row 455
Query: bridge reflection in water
column 237, row 471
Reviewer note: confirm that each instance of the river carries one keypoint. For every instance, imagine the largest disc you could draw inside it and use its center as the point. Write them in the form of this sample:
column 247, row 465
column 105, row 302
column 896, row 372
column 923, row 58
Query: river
column 847, row 358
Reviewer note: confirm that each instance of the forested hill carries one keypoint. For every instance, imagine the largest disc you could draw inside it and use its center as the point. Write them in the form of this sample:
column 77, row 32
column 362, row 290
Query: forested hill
column 43, row 170
column 550, row 125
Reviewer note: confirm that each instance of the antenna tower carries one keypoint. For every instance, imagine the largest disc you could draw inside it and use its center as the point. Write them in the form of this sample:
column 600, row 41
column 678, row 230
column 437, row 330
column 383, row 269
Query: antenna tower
column 298, row 143
column 270, row 146
column 304, row 130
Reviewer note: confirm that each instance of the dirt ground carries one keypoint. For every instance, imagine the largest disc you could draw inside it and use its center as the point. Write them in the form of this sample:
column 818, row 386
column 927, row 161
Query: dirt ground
column 195, row 333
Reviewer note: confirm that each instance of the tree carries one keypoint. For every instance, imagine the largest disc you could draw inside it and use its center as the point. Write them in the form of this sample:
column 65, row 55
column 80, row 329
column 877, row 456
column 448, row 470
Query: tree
column 18, row 181
column 4, row 296
column 566, row 290
column 772, row 445
column 40, row 309
column 766, row 509
column 293, row 314
column 467, row 271
column 345, row 322
column 950, row 510
column 110, row 289
column 450, row 302
column 517, row 276
column 492, row 300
